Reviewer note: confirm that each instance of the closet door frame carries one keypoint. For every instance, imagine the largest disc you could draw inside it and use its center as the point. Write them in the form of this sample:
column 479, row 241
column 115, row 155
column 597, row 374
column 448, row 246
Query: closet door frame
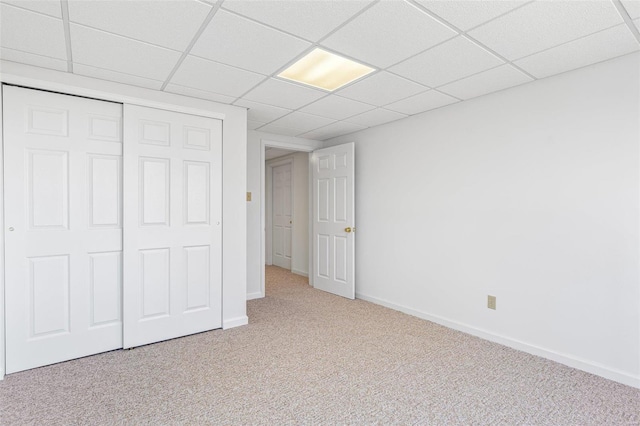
column 234, row 155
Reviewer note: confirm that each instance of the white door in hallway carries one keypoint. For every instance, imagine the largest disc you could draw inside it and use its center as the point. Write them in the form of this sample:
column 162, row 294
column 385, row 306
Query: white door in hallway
column 282, row 216
column 63, row 230
column 334, row 220
column 172, row 225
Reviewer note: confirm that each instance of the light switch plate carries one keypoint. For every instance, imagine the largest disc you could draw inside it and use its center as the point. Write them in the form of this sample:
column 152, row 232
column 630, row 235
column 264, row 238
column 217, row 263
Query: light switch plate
column 491, row 302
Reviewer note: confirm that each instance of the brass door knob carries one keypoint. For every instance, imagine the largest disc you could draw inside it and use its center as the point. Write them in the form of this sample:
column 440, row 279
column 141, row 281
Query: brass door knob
column 347, row 230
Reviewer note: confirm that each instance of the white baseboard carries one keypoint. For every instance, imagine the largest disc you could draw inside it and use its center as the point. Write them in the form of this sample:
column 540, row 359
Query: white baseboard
column 255, row 295
column 569, row 360
column 235, row 322
column 299, row 272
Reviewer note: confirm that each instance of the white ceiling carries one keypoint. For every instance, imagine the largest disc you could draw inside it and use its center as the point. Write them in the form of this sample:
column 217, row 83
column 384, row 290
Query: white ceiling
column 427, row 53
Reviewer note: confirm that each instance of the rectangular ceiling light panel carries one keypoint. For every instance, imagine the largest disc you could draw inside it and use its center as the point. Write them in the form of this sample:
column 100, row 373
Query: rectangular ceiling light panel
column 325, row 70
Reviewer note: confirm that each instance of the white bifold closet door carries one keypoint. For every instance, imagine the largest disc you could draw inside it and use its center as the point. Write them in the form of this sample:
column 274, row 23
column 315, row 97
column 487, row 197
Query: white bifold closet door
column 172, row 225
column 63, row 230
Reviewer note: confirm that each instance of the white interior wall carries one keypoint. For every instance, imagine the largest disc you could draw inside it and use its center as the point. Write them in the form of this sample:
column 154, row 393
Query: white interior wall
column 300, row 200
column 530, row 194
column 300, row 243
column 255, row 266
column 234, row 161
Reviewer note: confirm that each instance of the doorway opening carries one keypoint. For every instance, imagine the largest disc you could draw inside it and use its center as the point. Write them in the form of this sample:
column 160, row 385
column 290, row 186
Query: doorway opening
column 286, row 207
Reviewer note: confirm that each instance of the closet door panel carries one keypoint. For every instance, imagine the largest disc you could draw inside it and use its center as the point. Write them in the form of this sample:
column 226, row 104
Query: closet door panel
column 63, row 215
column 172, row 225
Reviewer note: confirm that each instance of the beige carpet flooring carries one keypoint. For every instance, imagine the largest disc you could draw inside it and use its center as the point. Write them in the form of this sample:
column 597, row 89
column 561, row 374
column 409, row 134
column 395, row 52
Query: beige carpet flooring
column 308, row 357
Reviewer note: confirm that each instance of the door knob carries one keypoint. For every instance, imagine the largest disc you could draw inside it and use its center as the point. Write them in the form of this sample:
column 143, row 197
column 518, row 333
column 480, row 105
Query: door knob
column 347, row 230
column 11, row 228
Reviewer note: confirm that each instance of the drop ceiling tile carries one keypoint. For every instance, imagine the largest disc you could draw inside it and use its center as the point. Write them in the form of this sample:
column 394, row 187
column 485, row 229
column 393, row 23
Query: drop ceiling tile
column 493, row 80
column 111, row 52
column 311, row 136
column 31, row 59
column 303, row 122
column 422, row 102
column 234, row 40
column 336, row 107
column 544, row 24
column 381, row 89
column 332, row 130
column 171, row 24
column 307, row 19
column 468, row 14
column 632, row 7
column 48, row 7
column 202, row 74
column 253, row 125
column 118, row 77
column 282, row 94
column 376, row 117
column 31, row 32
column 196, row 93
column 447, row 62
column 387, row 33
column 262, row 112
column 279, row 130
column 594, row 48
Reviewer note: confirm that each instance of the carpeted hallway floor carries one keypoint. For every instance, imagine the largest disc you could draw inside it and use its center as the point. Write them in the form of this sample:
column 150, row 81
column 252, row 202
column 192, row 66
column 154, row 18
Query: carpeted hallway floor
column 308, row 357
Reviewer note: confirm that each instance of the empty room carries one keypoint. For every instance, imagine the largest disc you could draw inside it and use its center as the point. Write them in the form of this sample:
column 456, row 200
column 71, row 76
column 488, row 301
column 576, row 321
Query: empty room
column 266, row 212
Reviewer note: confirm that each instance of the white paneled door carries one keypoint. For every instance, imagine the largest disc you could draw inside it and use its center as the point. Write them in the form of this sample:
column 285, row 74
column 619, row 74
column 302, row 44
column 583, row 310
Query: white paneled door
column 63, row 234
column 282, row 216
column 172, row 225
column 333, row 220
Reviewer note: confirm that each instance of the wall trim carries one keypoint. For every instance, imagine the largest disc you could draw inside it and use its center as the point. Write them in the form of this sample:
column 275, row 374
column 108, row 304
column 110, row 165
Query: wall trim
column 235, row 322
column 568, row 360
column 254, row 295
column 300, row 272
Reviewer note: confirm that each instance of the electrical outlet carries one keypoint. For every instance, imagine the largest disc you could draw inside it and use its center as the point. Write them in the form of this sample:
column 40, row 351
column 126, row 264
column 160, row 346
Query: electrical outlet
column 248, row 196
column 491, row 302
